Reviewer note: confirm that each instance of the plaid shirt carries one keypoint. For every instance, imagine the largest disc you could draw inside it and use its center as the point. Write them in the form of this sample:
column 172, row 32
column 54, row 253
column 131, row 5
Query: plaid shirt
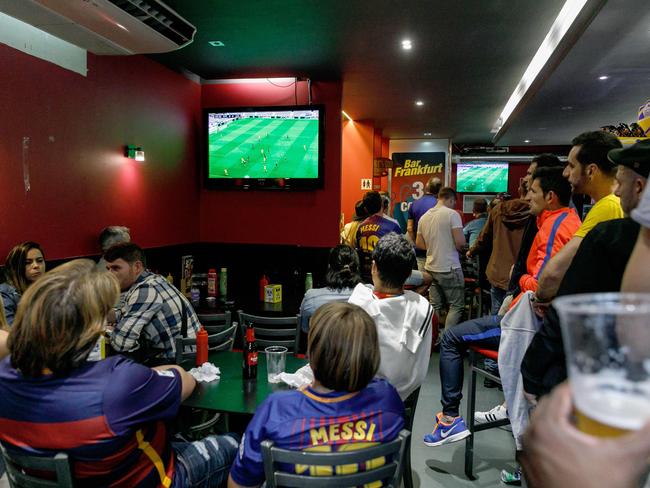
column 152, row 312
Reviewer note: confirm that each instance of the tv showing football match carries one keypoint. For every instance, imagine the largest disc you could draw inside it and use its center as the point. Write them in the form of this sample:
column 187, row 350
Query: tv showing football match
column 481, row 177
column 265, row 147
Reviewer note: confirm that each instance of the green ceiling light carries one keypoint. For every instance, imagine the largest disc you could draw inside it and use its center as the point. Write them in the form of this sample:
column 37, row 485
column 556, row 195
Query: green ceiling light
column 134, row 152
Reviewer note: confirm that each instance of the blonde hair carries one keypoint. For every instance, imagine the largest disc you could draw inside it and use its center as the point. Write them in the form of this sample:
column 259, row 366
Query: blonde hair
column 60, row 318
column 343, row 347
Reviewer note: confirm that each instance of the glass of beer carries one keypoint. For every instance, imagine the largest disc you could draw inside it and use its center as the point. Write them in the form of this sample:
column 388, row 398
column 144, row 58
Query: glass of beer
column 607, row 344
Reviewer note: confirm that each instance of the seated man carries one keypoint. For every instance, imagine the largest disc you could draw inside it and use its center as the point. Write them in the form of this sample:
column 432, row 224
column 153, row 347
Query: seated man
column 403, row 318
column 548, row 196
column 109, row 416
column 152, row 314
column 344, row 409
column 597, row 267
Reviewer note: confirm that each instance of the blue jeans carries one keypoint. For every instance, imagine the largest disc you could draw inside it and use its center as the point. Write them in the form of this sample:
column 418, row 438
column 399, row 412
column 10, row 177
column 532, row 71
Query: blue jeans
column 496, row 297
column 484, row 332
column 205, row 463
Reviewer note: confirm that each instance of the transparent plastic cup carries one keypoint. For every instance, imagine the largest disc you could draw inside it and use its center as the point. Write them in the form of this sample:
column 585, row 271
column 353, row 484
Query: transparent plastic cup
column 607, row 344
column 276, row 359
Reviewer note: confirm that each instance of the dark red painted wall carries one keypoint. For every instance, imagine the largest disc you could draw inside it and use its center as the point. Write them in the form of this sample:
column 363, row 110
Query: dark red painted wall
column 307, row 218
column 80, row 180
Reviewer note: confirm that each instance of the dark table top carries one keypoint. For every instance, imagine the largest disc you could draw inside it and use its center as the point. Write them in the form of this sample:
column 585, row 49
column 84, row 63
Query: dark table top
column 231, row 393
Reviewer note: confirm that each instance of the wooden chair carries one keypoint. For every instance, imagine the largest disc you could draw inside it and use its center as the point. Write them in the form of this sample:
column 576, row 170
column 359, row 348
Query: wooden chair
column 390, row 473
column 56, row 471
column 221, row 341
column 273, row 331
column 215, row 322
column 476, row 356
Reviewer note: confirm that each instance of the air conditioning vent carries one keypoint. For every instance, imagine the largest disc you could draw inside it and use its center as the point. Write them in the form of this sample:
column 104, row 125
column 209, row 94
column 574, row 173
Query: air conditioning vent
column 107, row 26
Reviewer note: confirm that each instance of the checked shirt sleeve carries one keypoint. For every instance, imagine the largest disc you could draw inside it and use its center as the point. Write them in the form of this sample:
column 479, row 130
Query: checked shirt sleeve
column 138, row 311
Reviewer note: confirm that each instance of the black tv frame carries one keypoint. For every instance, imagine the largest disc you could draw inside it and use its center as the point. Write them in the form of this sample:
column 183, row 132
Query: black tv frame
column 277, row 184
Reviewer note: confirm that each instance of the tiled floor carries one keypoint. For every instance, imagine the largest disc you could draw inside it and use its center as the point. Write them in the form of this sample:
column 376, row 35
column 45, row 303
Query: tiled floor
column 443, row 466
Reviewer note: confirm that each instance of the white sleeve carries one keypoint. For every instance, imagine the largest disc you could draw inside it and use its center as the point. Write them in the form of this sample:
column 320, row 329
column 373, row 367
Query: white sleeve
column 642, row 212
column 456, row 222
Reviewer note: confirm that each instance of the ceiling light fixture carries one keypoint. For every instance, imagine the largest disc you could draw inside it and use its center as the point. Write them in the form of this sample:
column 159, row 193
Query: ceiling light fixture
column 407, row 45
column 550, row 52
column 527, row 141
column 346, row 116
column 427, row 133
column 603, row 77
column 419, row 103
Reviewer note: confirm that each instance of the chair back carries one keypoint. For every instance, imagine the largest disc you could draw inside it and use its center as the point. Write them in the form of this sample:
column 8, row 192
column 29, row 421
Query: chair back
column 215, row 322
column 55, row 470
column 272, row 331
column 389, row 473
column 221, row 341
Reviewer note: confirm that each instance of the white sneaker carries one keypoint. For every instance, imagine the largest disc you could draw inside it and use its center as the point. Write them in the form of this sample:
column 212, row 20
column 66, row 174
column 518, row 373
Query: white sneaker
column 497, row 413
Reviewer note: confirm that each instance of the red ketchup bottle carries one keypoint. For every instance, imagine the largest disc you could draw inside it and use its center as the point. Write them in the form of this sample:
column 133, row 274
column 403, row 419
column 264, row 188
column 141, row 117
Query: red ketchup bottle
column 263, row 282
column 201, row 347
column 249, row 366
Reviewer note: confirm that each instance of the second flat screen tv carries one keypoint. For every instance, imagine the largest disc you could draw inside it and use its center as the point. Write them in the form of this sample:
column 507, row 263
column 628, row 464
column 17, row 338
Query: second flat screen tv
column 265, row 147
column 482, row 177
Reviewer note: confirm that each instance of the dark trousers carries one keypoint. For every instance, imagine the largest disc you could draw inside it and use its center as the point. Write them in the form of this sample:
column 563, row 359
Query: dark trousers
column 484, row 332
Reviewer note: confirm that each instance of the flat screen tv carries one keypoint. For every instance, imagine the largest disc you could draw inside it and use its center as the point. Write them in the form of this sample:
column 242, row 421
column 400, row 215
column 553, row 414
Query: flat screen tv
column 264, row 148
column 481, row 177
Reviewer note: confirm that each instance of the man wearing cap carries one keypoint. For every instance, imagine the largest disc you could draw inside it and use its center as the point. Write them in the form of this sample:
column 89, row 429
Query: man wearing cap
column 591, row 173
column 637, row 274
column 598, row 266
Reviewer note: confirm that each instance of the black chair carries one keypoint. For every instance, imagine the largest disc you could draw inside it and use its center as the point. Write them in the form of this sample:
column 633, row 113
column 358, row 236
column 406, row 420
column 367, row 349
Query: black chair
column 410, row 404
column 273, row 331
column 54, row 471
column 476, row 357
column 215, row 322
column 389, row 473
column 222, row 341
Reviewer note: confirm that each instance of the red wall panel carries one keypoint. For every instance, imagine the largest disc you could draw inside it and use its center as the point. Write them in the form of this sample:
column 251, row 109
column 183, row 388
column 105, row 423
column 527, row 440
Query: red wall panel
column 358, row 140
column 306, row 218
column 76, row 128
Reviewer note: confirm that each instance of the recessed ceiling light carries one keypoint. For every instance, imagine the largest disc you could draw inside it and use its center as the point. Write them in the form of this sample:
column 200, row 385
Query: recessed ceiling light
column 427, row 133
column 603, row 77
column 566, row 107
column 216, row 43
column 527, row 141
column 406, row 44
column 419, row 103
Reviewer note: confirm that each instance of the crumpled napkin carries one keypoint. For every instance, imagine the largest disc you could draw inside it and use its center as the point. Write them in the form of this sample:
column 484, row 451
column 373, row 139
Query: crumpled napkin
column 301, row 378
column 206, row 372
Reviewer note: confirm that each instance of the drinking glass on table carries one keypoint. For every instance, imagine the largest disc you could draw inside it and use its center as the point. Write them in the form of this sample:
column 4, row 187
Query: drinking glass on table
column 276, row 359
column 607, row 343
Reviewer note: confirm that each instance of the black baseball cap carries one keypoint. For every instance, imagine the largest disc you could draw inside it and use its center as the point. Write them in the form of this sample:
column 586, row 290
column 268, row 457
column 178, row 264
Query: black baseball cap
column 636, row 157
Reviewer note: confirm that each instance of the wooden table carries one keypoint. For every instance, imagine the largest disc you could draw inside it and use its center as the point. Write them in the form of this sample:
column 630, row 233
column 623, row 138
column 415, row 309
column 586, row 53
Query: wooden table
column 230, row 393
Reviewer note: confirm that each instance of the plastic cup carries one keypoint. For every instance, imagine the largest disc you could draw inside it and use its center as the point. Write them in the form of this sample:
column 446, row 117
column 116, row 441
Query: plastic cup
column 276, row 359
column 607, row 342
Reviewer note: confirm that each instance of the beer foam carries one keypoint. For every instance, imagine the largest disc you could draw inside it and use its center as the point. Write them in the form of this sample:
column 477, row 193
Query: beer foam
column 610, row 399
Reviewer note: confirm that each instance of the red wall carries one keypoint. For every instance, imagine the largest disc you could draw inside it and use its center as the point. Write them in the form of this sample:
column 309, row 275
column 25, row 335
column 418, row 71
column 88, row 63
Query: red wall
column 307, row 218
column 358, row 150
column 77, row 127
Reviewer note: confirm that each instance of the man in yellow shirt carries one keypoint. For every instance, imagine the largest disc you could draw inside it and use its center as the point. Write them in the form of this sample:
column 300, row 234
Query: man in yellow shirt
column 590, row 173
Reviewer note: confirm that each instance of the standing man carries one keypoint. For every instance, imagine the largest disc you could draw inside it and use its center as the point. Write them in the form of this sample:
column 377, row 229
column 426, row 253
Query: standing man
column 371, row 230
column 440, row 233
column 589, row 172
column 417, row 209
column 152, row 314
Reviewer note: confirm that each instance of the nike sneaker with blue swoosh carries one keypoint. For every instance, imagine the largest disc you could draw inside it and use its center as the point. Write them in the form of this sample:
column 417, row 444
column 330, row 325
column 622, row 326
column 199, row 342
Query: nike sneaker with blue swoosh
column 446, row 433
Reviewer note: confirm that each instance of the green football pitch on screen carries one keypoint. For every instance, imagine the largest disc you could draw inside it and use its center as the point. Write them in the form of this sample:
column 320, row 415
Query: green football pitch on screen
column 482, row 178
column 260, row 147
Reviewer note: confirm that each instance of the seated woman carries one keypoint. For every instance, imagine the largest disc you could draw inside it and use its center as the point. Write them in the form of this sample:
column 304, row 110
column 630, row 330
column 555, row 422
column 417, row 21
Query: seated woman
column 109, row 416
column 4, row 333
column 341, row 278
column 343, row 407
column 24, row 264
